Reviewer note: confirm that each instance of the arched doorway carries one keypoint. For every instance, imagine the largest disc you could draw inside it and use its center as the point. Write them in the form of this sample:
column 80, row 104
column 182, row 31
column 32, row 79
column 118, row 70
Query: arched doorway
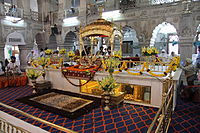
column 70, row 42
column 165, row 37
column 130, row 43
column 11, row 48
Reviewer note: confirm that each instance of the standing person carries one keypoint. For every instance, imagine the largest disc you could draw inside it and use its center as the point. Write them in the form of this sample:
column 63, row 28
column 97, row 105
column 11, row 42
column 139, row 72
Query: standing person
column 190, row 71
column 30, row 57
column 42, row 53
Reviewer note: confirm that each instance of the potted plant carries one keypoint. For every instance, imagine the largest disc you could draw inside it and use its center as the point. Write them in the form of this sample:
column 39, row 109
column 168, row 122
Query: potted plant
column 44, row 62
column 112, row 64
column 107, row 85
column 33, row 74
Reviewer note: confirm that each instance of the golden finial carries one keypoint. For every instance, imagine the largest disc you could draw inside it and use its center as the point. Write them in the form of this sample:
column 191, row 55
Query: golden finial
column 100, row 11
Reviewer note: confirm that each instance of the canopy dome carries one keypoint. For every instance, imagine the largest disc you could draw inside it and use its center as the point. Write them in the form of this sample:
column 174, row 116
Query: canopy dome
column 97, row 28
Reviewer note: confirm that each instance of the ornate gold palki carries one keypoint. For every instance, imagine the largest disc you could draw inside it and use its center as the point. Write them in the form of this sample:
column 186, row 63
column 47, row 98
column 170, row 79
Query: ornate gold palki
column 101, row 27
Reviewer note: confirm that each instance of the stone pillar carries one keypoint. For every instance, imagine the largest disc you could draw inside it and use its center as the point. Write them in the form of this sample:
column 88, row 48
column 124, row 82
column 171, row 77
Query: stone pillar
column 186, row 36
column 82, row 11
column 26, row 8
column 24, row 50
column 2, row 45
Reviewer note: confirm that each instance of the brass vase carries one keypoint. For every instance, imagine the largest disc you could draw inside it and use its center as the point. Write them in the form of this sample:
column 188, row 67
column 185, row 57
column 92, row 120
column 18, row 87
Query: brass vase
column 107, row 100
column 43, row 74
column 34, row 84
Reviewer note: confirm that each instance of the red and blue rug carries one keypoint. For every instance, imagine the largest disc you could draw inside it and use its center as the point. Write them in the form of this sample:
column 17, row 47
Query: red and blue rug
column 123, row 119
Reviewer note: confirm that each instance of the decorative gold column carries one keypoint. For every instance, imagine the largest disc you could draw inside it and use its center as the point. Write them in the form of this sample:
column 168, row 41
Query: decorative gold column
column 121, row 43
column 81, row 45
column 111, row 45
column 138, row 93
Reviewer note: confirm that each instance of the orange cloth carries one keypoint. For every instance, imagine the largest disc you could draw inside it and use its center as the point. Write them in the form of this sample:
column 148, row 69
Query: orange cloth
column 13, row 81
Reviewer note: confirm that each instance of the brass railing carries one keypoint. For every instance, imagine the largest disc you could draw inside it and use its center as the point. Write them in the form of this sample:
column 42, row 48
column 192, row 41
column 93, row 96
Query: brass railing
column 10, row 128
column 163, row 117
column 36, row 118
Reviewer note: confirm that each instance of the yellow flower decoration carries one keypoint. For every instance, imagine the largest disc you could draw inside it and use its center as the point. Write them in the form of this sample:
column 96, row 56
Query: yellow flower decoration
column 71, row 53
column 44, row 62
column 62, row 51
column 48, row 52
column 33, row 74
column 149, row 51
column 108, row 83
column 117, row 54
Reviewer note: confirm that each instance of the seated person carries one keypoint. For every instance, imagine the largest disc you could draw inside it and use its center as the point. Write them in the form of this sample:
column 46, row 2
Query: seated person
column 12, row 67
column 190, row 71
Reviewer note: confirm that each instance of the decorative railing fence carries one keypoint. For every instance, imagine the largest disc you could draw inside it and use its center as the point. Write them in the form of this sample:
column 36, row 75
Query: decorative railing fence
column 163, row 117
column 7, row 127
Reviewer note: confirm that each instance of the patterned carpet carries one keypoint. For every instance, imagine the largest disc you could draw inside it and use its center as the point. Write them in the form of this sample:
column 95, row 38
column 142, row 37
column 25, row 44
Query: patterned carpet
column 124, row 119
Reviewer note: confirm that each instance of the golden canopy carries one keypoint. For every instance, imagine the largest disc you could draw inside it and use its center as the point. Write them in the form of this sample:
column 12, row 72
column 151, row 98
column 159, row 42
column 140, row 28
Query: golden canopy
column 97, row 28
column 101, row 27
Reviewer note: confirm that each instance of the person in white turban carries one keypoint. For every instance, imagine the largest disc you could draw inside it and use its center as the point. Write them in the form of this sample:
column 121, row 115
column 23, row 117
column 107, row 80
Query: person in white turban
column 163, row 56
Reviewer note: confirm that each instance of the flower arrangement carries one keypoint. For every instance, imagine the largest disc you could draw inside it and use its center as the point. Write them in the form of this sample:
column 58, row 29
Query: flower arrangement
column 149, row 51
column 44, row 62
column 71, row 54
column 108, row 83
column 62, row 51
column 111, row 64
column 117, row 54
column 33, row 74
column 48, row 52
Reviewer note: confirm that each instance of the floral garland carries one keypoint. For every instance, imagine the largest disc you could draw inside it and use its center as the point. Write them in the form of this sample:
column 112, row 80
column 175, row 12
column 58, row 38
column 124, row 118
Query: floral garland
column 172, row 67
column 58, row 65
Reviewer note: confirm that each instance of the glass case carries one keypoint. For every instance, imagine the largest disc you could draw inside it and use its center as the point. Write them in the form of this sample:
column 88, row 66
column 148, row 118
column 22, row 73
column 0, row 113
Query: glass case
column 132, row 92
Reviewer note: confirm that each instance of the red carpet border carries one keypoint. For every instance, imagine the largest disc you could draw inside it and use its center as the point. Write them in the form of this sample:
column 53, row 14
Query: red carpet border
column 124, row 119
